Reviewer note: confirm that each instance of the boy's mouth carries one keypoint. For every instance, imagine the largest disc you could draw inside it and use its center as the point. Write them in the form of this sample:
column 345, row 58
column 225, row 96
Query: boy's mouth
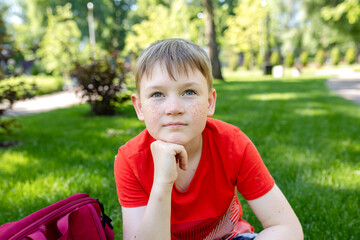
column 175, row 125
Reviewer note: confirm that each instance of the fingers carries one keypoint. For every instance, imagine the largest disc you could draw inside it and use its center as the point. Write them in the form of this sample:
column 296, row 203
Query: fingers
column 182, row 160
column 166, row 156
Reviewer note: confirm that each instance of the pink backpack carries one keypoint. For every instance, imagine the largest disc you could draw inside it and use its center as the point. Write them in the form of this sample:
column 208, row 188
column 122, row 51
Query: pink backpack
column 75, row 218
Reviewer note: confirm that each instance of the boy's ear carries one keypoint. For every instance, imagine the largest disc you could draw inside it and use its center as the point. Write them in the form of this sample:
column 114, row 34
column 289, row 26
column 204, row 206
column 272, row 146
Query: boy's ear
column 212, row 102
column 135, row 99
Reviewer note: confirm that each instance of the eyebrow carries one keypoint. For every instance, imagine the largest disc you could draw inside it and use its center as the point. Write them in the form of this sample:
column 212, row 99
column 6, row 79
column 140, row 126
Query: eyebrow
column 185, row 85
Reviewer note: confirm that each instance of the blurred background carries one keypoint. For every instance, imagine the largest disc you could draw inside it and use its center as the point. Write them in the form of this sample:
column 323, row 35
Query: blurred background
column 272, row 61
column 46, row 37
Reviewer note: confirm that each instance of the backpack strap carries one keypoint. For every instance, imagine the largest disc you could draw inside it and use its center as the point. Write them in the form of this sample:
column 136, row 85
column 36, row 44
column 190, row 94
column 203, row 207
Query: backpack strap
column 38, row 235
column 104, row 218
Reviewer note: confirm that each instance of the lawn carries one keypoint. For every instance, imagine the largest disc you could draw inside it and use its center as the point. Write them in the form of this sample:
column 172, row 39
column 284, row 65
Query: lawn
column 308, row 137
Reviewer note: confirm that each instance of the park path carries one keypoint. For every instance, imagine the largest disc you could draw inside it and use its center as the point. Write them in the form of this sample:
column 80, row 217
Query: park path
column 347, row 85
column 45, row 103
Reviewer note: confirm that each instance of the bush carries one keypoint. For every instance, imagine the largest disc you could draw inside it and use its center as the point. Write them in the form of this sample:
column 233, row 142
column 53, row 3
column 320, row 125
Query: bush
column 275, row 58
column 13, row 90
column 335, row 56
column 9, row 126
column 350, row 55
column 320, row 57
column 10, row 92
column 304, row 58
column 247, row 60
column 260, row 60
column 45, row 84
column 289, row 59
column 100, row 84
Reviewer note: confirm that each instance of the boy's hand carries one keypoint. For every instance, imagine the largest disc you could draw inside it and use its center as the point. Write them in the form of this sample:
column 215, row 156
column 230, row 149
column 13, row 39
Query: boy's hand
column 166, row 156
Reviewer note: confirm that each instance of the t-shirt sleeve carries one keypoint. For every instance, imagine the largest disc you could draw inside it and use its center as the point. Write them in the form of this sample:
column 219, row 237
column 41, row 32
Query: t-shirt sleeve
column 253, row 178
column 129, row 189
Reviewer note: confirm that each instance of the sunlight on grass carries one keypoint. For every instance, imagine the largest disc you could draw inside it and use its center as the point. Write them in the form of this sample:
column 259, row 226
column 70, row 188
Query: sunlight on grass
column 311, row 112
column 273, row 96
column 340, row 177
column 11, row 161
column 58, row 181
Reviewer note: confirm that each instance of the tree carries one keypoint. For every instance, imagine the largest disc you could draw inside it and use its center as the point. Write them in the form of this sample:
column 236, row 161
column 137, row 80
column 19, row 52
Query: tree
column 59, row 48
column 317, row 34
column 246, row 27
column 341, row 15
column 289, row 59
column 175, row 22
column 304, row 58
column 335, row 55
column 111, row 22
column 287, row 17
column 350, row 55
column 348, row 8
column 210, row 36
column 30, row 32
column 320, row 57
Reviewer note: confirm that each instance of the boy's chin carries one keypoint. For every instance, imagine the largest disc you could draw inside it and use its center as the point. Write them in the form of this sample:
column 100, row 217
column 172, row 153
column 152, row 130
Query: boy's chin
column 173, row 141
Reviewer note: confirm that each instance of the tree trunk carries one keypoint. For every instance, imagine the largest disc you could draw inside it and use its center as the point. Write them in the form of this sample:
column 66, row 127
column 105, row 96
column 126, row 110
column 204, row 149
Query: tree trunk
column 210, row 36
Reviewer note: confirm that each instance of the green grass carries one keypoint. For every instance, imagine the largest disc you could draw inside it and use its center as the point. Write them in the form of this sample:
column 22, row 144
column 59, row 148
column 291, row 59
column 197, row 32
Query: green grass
column 308, row 137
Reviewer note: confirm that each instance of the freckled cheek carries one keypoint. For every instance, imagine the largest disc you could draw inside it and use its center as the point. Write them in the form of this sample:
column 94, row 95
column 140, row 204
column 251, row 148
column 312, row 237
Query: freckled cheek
column 199, row 110
column 151, row 111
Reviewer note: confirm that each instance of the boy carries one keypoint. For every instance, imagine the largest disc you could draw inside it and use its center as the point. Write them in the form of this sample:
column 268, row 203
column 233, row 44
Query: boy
column 177, row 179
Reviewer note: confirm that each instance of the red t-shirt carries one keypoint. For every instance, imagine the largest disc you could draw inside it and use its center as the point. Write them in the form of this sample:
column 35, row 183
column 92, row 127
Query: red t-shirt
column 209, row 208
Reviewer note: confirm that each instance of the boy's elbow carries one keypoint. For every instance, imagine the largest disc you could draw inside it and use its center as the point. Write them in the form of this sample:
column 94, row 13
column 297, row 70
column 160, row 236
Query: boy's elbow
column 295, row 231
column 299, row 232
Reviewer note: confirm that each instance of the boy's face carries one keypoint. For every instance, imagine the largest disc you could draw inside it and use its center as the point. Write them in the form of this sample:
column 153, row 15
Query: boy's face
column 174, row 111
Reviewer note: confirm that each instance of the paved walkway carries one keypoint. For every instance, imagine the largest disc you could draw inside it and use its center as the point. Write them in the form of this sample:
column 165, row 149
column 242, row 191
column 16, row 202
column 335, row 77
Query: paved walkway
column 44, row 103
column 347, row 85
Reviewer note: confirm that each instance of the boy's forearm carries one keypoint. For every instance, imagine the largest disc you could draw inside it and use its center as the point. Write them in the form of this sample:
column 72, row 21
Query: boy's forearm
column 156, row 221
column 281, row 232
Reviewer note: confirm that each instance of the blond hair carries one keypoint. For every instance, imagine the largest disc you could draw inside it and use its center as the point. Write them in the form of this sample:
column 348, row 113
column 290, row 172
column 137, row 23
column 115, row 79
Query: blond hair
column 177, row 55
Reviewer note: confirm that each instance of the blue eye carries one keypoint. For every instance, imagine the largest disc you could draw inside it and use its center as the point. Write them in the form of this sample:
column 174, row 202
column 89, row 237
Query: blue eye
column 157, row 95
column 189, row 92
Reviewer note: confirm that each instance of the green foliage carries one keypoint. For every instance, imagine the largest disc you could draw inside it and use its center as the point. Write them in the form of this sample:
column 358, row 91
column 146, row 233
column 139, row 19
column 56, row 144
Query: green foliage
column 14, row 90
column 350, row 55
column 243, row 33
column 30, row 32
column 59, row 48
column 320, row 57
column 304, row 58
column 335, row 56
column 248, row 60
column 100, row 84
column 9, row 127
column 275, row 58
column 44, row 84
column 348, row 8
column 338, row 17
column 260, row 60
column 289, row 59
column 175, row 22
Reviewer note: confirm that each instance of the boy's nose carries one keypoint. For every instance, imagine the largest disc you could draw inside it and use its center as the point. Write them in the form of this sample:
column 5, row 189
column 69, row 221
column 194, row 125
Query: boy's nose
column 174, row 106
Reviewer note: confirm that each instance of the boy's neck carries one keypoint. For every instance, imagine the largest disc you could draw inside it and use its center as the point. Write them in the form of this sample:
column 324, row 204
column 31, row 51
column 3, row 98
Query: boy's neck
column 194, row 148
